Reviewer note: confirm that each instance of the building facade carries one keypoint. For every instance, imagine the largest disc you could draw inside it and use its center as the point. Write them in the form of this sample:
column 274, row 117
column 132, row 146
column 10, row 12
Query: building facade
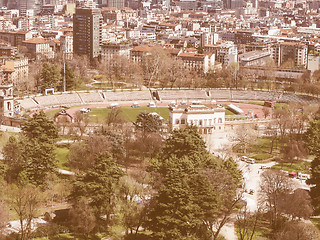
column 209, row 118
column 87, row 37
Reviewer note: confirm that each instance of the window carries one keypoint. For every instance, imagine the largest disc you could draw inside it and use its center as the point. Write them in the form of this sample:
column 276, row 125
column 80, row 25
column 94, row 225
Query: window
column 183, row 121
column 200, row 122
column 177, row 121
column 220, row 120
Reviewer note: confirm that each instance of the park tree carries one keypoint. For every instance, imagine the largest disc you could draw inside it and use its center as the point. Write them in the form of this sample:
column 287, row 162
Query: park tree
column 296, row 204
column 297, row 230
column 244, row 136
column 115, row 117
column 82, row 218
column 50, row 76
column 232, row 167
column 134, row 199
column 147, row 123
column 195, row 196
column 33, row 155
column 99, row 185
column 25, row 200
column 273, row 185
column 315, row 180
column 38, row 147
column 312, row 137
column 71, row 79
column 247, row 223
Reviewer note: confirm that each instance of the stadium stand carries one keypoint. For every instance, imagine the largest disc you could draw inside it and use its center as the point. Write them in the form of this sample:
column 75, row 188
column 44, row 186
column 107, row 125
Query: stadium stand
column 47, row 101
column 92, row 97
column 27, row 103
column 69, row 99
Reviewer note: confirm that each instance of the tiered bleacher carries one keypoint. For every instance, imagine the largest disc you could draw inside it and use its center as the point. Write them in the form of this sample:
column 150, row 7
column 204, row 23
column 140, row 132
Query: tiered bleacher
column 69, row 99
column 126, row 96
column 47, row 101
column 28, row 103
column 93, row 97
column 182, row 94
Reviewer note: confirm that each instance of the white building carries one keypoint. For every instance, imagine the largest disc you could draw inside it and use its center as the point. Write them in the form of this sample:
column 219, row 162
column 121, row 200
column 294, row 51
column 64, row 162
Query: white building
column 227, row 53
column 209, row 118
column 66, row 43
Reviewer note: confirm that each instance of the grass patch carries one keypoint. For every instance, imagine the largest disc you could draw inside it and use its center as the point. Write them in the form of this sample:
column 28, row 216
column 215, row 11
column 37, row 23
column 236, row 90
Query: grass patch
column 50, row 114
column 61, row 156
column 316, row 222
column 260, row 149
column 301, row 166
column 129, row 114
column 4, row 137
column 255, row 103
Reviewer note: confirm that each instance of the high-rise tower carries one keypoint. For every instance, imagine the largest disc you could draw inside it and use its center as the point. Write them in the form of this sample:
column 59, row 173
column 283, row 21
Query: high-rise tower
column 87, row 32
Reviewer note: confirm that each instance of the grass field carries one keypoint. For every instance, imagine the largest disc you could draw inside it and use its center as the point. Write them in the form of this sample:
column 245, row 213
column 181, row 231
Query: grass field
column 129, row 114
column 260, row 150
column 61, row 156
column 316, row 222
column 301, row 166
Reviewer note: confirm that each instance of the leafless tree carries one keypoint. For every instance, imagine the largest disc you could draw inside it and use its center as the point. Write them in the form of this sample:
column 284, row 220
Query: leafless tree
column 298, row 230
column 247, row 223
column 273, row 184
column 25, row 201
column 296, row 204
column 244, row 136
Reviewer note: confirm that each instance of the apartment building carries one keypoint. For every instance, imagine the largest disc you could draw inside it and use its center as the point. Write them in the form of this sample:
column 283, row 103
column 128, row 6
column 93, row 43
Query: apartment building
column 20, row 67
column 227, row 53
column 66, row 45
column 285, row 51
column 109, row 50
column 87, row 32
column 39, row 48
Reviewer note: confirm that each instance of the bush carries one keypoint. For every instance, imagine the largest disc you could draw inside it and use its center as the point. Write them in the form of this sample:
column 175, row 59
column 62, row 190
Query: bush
column 49, row 230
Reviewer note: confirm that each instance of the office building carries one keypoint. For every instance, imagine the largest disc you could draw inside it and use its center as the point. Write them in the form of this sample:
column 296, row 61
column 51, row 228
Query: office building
column 87, row 36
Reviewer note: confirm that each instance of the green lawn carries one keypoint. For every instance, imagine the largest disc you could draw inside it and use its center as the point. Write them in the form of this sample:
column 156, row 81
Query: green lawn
column 301, row 166
column 51, row 114
column 260, row 150
column 129, row 114
column 61, row 156
column 316, row 222
column 4, row 137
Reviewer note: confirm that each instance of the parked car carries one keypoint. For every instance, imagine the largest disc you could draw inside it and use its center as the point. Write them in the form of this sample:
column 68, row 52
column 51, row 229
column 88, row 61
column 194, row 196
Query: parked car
column 135, row 105
column 85, row 110
column 152, row 104
column 113, row 105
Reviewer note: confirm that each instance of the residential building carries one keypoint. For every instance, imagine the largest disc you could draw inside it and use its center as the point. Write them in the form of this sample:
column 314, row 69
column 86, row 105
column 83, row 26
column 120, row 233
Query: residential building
column 109, row 50
column 201, row 63
column 87, row 35
column 20, row 68
column 39, row 48
column 66, row 45
column 15, row 38
column 227, row 53
column 208, row 118
column 285, row 51
column 253, row 58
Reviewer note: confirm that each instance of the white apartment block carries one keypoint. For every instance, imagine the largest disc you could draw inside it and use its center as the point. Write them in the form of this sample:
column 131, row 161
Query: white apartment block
column 227, row 53
column 66, row 44
column 200, row 63
column 209, row 118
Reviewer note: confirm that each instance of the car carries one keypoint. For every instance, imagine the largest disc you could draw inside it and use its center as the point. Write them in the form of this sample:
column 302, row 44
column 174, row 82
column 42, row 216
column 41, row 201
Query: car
column 85, row 110
column 114, row 105
column 152, row 104
column 251, row 191
column 135, row 105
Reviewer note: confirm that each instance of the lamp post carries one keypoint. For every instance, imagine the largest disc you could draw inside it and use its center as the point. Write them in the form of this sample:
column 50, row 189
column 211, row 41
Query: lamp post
column 64, row 68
